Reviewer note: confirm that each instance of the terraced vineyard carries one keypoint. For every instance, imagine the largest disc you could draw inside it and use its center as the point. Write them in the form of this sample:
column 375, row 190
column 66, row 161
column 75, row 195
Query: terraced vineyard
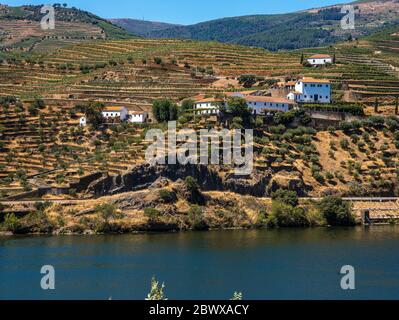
column 133, row 73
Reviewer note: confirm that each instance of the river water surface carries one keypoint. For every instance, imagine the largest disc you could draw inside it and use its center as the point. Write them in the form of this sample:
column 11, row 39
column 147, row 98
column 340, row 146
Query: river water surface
column 267, row 264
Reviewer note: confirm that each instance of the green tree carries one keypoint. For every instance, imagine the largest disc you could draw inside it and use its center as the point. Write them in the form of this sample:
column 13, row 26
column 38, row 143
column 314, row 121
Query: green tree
column 93, row 112
column 284, row 215
column 164, row 110
column 376, row 105
column 186, row 105
column 247, row 80
column 336, row 211
column 238, row 107
column 11, row 222
column 286, row 196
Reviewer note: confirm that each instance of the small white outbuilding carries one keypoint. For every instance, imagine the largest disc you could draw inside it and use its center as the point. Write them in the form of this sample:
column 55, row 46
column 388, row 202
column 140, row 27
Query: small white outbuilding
column 320, row 59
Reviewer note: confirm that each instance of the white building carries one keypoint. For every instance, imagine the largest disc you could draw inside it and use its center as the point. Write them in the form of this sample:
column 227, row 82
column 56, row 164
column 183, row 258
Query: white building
column 320, row 59
column 83, row 121
column 310, row 90
column 262, row 104
column 115, row 112
column 208, row 105
column 137, row 116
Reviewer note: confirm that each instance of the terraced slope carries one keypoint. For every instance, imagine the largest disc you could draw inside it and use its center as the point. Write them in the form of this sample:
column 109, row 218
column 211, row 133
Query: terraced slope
column 133, row 73
column 20, row 29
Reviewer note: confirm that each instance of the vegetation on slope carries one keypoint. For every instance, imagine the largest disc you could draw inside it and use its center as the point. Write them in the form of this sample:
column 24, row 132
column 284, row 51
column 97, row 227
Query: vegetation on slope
column 303, row 29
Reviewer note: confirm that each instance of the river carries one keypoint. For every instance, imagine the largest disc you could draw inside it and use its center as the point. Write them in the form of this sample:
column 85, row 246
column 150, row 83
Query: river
column 263, row 264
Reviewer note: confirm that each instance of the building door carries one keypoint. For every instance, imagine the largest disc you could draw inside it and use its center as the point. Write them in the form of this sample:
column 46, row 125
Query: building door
column 316, row 97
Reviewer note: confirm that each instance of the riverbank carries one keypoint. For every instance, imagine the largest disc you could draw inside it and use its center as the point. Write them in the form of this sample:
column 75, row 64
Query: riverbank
column 180, row 206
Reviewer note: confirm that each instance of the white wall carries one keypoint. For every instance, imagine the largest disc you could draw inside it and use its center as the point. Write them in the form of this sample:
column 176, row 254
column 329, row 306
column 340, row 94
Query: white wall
column 214, row 109
column 116, row 114
column 260, row 107
column 138, row 118
column 313, row 92
column 316, row 62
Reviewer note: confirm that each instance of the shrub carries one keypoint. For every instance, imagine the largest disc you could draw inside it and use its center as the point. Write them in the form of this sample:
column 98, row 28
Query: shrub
column 167, row 196
column 344, row 144
column 106, row 211
column 196, row 218
column 284, row 215
column 164, row 110
column 152, row 213
column 11, row 222
column 286, row 197
column 336, row 211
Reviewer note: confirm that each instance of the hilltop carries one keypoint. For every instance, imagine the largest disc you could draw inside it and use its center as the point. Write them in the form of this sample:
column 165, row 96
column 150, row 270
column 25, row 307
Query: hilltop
column 304, row 29
column 141, row 27
column 20, row 28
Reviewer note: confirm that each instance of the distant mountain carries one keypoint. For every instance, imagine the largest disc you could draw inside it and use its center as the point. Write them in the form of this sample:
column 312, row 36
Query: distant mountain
column 141, row 27
column 309, row 28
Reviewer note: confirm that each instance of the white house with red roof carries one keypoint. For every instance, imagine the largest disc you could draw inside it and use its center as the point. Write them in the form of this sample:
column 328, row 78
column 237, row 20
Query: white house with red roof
column 258, row 104
column 262, row 104
column 310, row 90
column 115, row 112
column 320, row 59
column 208, row 105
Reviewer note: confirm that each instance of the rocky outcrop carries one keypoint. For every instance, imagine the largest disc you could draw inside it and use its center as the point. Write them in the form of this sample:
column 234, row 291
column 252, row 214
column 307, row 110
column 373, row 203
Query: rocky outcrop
column 209, row 179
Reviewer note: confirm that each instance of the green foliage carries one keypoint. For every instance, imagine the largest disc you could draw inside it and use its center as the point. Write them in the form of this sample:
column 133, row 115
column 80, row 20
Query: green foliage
column 186, row 105
column 273, row 32
column 353, row 108
column 157, row 291
column 152, row 213
column 11, row 223
column 237, row 296
column 238, row 107
column 164, row 110
column 93, row 112
column 196, row 218
column 42, row 206
column 336, row 211
column 286, row 197
column 247, row 80
column 167, row 196
column 284, row 215
column 106, row 210
column 158, row 60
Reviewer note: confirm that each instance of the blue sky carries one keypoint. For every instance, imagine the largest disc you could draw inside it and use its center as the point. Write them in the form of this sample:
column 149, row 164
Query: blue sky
column 183, row 11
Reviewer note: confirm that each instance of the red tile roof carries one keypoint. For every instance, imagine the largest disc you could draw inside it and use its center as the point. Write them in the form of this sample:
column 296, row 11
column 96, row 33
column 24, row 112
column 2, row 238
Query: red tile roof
column 320, row 56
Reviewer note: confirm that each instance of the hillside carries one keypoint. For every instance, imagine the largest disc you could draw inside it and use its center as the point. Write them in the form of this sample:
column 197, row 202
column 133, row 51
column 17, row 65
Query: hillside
column 46, row 146
column 310, row 28
column 141, row 27
column 20, row 29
